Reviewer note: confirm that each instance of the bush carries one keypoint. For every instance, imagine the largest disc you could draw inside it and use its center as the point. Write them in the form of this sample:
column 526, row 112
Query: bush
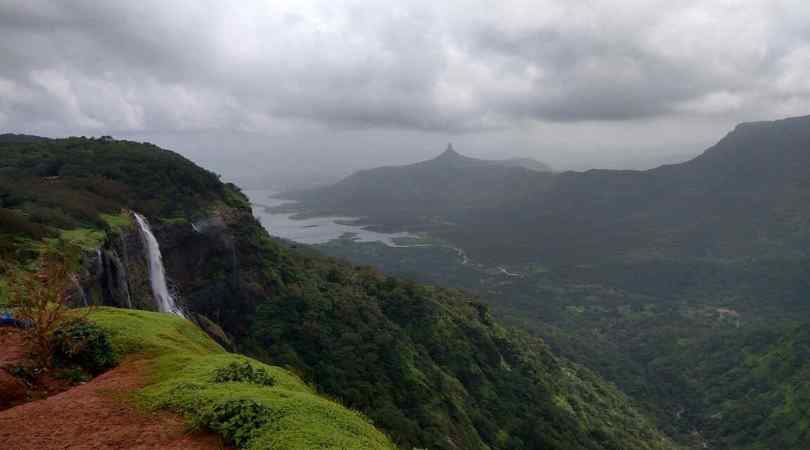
column 83, row 343
column 242, row 371
column 237, row 420
column 40, row 298
column 74, row 375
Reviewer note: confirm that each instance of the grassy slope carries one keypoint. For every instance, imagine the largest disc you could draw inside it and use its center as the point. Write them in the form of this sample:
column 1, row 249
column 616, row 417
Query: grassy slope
column 289, row 414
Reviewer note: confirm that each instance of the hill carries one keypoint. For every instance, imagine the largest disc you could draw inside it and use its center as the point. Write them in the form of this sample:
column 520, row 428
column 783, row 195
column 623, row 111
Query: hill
column 424, row 194
column 428, row 365
column 169, row 364
column 742, row 197
column 10, row 138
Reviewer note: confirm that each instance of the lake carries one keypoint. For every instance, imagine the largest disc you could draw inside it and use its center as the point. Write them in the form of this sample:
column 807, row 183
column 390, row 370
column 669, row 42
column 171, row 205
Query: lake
column 313, row 230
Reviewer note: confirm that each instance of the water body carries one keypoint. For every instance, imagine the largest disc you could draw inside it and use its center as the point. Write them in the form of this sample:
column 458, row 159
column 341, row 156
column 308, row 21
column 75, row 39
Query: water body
column 312, row 230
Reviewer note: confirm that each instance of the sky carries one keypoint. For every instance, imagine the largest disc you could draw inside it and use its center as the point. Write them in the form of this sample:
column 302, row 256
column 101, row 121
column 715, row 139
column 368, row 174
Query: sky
column 280, row 93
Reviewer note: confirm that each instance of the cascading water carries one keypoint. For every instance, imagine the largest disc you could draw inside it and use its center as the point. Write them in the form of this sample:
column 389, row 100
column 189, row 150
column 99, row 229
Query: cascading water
column 80, row 290
column 157, row 274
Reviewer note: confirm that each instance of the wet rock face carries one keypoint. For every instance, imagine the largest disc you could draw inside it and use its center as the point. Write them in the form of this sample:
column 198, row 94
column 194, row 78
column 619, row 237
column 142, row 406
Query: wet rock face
column 202, row 269
column 202, row 262
column 117, row 274
column 115, row 280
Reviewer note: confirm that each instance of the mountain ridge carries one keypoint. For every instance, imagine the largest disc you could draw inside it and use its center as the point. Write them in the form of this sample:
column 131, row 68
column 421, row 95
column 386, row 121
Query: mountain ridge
column 674, row 210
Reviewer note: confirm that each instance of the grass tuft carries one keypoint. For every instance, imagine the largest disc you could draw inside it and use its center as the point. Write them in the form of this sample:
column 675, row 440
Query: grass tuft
column 84, row 238
column 115, row 221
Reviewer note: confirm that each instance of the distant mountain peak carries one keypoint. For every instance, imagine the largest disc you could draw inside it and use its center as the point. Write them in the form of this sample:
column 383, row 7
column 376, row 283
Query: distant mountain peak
column 449, row 152
column 451, row 158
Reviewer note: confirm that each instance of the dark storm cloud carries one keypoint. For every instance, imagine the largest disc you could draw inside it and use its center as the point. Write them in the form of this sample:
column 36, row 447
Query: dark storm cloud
column 472, row 67
column 585, row 78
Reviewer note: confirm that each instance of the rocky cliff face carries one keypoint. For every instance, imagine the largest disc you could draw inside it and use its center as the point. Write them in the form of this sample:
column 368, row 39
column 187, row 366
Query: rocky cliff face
column 200, row 259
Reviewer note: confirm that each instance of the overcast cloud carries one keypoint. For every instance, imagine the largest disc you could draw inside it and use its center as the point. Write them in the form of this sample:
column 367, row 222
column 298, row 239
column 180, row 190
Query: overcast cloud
column 272, row 86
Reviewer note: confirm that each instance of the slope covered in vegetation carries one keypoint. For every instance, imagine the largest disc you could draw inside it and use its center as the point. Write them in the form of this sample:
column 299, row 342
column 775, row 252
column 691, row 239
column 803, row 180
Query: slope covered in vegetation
column 251, row 404
column 428, row 365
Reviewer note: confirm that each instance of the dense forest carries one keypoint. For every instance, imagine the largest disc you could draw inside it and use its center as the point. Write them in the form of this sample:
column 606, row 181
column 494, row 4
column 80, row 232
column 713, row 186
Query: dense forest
column 686, row 352
column 428, row 365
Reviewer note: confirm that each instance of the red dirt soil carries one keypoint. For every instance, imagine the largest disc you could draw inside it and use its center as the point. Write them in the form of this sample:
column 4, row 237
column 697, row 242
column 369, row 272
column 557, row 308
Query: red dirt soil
column 95, row 416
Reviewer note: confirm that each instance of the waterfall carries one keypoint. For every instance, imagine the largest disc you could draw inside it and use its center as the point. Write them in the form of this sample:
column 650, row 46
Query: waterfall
column 157, row 274
column 80, row 290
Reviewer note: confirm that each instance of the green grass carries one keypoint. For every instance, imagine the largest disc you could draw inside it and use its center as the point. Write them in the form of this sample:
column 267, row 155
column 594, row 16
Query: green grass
column 173, row 220
column 287, row 415
column 121, row 220
column 84, row 238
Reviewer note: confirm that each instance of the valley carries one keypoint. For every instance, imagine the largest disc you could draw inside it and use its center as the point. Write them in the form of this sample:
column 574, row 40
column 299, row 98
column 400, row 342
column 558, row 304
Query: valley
column 412, row 225
column 628, row 272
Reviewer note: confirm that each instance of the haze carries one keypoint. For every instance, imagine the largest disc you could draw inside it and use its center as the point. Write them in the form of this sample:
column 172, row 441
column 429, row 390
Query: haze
column 304, row 92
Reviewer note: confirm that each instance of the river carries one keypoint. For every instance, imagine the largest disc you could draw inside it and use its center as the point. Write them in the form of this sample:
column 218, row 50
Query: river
column 313, row 230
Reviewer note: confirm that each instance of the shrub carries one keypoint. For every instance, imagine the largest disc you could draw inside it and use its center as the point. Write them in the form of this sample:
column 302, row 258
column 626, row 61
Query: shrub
column 237, row 420
column 83, row 343
column 40, row 298
column 74, row 375
column 242, row 371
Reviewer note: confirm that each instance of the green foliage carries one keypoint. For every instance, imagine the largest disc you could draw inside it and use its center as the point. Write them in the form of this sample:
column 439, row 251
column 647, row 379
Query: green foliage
column 115, row 221
column 74, row 375
column 685, row 339
column 134, row 331
column 426, row 364
column 80, row 183
column 237, row 420
column 244, row 372
column 174, row 220
column 83, row 238
column 287, row 415
column 28, row 371
column 83, row 343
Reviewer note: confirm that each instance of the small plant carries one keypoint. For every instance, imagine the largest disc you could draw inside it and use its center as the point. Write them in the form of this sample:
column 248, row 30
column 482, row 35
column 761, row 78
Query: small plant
column 40, row 299
column 83, row 343
column 238, row 420
column 74, row 374
column 244, row 372
column 27, row 372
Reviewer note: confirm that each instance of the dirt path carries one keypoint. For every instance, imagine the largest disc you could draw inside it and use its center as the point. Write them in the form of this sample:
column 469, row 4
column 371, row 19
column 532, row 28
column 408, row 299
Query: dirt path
column 93, row 416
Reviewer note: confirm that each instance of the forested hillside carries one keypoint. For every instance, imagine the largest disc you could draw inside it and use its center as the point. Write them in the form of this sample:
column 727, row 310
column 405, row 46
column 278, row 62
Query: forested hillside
column 428, row 365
